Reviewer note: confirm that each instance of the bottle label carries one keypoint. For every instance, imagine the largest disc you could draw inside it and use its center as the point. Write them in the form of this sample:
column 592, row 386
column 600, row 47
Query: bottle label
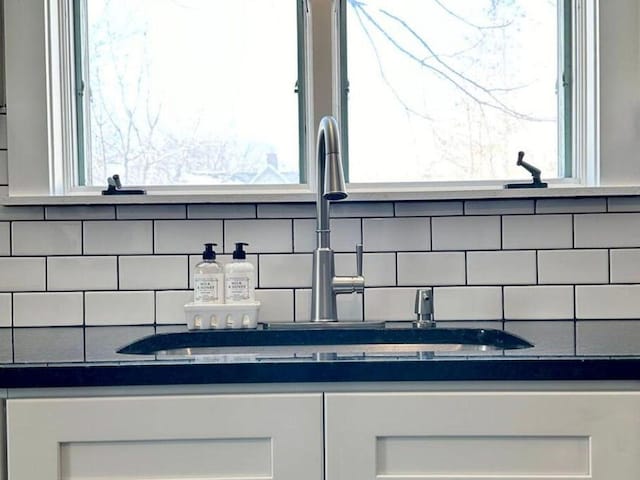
column 206, row 288
column 237, row 289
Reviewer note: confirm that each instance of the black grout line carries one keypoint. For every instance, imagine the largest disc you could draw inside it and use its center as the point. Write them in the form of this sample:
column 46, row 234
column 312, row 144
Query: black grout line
column 575, row 321
column 13, row 336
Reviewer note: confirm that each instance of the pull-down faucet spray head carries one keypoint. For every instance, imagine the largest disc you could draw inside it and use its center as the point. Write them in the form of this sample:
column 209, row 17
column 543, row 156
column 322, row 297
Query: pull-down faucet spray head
column 330, row 174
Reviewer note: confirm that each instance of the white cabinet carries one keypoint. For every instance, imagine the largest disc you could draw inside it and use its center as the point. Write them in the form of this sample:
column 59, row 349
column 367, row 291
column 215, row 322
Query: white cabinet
column 476, row 435
column 167, row 437
column 452, row 435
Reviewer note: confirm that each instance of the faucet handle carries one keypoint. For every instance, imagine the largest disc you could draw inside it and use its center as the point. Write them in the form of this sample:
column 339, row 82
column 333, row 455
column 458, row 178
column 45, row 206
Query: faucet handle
column 359, row 251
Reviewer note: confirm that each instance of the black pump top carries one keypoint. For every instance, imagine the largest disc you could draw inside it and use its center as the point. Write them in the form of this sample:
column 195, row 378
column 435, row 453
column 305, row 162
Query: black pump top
column 239, row 253
column 209, row 253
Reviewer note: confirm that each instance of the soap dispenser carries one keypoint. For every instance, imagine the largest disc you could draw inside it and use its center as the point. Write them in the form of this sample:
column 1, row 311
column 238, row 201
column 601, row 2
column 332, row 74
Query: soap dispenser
column 208, row 278
column 239, row 278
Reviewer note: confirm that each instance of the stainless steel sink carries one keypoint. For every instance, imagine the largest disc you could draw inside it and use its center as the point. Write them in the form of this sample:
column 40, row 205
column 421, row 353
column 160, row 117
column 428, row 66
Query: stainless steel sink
column 345, row 338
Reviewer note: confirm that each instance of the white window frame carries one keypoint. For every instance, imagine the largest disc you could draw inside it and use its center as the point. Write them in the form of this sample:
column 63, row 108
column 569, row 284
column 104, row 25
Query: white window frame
column 40, row 116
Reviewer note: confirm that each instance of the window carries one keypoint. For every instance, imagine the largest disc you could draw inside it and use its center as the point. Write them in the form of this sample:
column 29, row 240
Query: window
column 350, row 64
column 188, row 92
column 459, row 86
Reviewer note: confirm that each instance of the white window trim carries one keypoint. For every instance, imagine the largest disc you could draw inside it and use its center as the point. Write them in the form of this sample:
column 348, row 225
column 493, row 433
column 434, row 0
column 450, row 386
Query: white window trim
column 40, row 143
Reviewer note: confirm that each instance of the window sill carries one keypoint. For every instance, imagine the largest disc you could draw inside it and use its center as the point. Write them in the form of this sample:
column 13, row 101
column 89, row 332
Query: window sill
column 360, row 194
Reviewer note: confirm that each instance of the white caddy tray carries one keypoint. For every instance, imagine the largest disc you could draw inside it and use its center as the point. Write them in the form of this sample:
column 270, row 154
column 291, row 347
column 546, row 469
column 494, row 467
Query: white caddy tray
column 221, row 316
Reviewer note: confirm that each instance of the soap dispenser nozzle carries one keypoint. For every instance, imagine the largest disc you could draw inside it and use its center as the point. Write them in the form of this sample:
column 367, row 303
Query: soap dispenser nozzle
column 209, row 253
column 239, row 253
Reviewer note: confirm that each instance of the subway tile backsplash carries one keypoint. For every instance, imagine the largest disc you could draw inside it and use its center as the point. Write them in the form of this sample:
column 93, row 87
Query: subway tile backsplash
column 77, row 282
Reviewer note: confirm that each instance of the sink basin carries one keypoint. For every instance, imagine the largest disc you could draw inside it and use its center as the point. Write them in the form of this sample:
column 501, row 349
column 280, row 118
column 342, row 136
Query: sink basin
column 339, row 338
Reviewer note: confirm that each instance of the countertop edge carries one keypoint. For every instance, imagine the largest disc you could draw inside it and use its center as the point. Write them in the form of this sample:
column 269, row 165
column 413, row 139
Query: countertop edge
column 94, row 375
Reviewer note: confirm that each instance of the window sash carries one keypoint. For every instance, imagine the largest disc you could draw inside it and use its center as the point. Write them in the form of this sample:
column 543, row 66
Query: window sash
column 80, row 20
column 565, row 115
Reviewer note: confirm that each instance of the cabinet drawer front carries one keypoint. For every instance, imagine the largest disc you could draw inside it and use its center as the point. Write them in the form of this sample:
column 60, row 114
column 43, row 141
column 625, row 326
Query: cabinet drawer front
column 212, row 437
column 523, row 436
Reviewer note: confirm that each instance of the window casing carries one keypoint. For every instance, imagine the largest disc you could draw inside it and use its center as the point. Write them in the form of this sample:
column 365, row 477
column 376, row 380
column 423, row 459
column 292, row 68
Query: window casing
column 38, row 75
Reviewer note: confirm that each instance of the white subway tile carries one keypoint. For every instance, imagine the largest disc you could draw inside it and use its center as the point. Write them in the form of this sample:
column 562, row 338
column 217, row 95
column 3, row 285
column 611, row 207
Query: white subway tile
column 82, row 273
column 501, row 268
column 625, row 266
column 345, row 264
column 36, row 345
column 263, row 236
column 186, row 236
column 118, row 237
column 536, row 231
column 285, row 271
column 548, row 338
column 276, row 306
column 102, row 343
column 176, row 328
column 361, row 209
column 6, row 345
column 80, row 212
column 21, row 213
column 222, row 260
column 466, row 233
column 345, row 234
column 467, row 303
column 348, row 306
column 22, row 274
column 154, row 272
column 428, row 209
column 287, row 210
column 604, row 230
column 573, row 266
column 389, row 304
column 46, row 238
column 5, row 243
column 434, row 268
column 240, row 210
column 379, row 269
column 5, row 310
column 3, row 132
column 571, row 205
column 599, row 302
column 396, row 234
column 538, row 303
column 170, row 306
column 119, row 308
column 623, row 204
column 304, row 235
column 151, row 212
column 47, row 309
column 497, row 207
column 4, row 168
column 610, row 337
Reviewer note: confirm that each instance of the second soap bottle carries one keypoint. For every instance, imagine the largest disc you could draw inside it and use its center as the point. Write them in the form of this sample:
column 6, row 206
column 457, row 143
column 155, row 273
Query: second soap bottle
column 239, row 278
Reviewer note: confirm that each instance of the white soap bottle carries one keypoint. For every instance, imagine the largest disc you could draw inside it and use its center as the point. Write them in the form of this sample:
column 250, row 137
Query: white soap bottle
column 239, row 278
column 208, row 278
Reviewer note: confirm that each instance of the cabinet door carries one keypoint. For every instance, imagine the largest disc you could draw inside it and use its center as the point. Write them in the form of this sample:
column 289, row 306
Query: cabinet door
column 203, row 437
column 507, row 436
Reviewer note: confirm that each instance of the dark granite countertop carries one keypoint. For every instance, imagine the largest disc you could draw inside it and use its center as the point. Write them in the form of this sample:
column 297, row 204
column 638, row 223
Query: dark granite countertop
column 239, row 371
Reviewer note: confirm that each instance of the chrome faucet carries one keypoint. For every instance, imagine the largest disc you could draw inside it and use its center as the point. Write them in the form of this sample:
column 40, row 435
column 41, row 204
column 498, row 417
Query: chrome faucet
column 325, row 285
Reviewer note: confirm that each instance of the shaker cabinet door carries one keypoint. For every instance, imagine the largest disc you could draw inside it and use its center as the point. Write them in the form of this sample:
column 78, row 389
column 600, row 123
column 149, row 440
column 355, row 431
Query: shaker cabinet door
column 205, row 437
column 483, row 435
